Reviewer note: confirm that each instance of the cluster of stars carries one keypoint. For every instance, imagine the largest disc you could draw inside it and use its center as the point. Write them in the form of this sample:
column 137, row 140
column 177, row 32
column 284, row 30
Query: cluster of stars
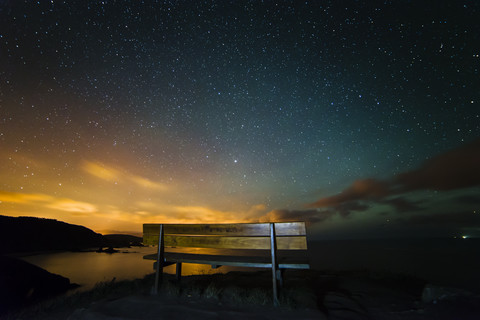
column 287, row 98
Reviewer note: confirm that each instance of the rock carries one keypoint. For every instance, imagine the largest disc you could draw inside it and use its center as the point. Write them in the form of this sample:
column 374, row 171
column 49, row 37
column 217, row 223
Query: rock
column 22, row 283
column 450, row 303
column 341, row 306
column 108, row 250
column 433, row 294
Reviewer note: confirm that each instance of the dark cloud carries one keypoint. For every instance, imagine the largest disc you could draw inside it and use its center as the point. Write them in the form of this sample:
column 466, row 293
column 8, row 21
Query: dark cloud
column 345, row 209
column 456, row 169
column 469, row 199
column 464, row 219
column 403, row 205
column 367, row 189
column 311, row 216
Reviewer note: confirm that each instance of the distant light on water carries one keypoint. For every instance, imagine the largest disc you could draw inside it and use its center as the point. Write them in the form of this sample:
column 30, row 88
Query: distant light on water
column 464, row 237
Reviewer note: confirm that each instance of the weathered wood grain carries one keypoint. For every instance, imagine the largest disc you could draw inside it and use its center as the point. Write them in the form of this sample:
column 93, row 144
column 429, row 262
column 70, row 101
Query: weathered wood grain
column 226, row 242
column 239, row 229
column 284, row 262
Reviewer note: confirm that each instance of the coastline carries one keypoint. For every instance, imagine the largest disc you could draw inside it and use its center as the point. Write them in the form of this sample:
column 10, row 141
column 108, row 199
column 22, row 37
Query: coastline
column 378, row 279
column 307, row 294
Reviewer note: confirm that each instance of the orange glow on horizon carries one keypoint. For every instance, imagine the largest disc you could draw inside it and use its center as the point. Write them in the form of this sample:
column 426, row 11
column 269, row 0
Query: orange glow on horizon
column 104, row 197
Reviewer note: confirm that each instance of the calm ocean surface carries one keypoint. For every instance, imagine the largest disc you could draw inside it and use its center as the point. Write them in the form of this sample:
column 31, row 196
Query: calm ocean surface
column 89, row 268
column 448, row 262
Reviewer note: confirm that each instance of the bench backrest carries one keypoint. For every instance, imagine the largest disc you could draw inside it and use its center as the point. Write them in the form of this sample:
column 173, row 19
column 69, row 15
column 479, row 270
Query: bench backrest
column 288, row 235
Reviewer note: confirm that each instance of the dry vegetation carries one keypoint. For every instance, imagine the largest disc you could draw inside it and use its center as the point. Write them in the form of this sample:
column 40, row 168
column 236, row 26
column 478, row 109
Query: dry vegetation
column 233, row 288
column 337, row 295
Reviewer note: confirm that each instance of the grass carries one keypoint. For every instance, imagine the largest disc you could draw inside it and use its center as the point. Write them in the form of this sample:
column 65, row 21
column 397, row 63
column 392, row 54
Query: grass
column 302, row 289
column 233, row 288
column 61, row 306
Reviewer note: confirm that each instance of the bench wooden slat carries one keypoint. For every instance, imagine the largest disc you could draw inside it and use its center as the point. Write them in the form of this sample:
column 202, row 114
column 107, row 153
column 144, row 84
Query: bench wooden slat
column 284, row 262
column 239, row 229
column 225, row 242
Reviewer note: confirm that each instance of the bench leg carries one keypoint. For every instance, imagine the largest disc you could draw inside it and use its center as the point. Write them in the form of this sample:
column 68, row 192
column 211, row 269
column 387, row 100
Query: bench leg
column 280, row 278
column 160, row 260
column 158, row 276
column 275, row 290
column 179, row 271
column 273, row 251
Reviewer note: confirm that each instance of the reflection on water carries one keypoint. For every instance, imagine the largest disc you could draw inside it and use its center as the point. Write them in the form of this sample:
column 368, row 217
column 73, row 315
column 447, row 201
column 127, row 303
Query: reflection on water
column 89, row 268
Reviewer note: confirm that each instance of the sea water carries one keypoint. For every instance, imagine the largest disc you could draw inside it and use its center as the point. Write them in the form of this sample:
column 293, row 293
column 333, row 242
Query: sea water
column 446, row 262
column 89, row 268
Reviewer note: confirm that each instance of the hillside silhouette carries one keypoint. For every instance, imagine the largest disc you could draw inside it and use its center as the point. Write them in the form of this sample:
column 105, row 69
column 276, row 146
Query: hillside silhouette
column 123, row 240
column 28, row 234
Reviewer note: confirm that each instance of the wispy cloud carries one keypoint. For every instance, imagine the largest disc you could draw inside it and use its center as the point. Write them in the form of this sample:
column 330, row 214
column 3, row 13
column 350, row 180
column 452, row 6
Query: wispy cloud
column 203, row 214
column 110, row 174
column 26, row 198
column 101, row 171
column 70, row 205
column 47, row 201
column 146, row 183
column 176, row 213
column 169, row 214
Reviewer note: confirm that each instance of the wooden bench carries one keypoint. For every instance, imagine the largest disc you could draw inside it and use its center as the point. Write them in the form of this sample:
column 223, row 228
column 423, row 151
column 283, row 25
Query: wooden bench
column 279, row 246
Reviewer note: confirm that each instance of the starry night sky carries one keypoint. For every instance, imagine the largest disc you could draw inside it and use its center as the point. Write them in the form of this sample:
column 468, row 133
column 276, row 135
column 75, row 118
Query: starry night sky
column 361, row 117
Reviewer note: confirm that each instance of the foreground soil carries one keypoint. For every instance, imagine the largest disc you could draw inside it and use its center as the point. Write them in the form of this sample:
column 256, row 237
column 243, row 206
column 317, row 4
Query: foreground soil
column 307, row 294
